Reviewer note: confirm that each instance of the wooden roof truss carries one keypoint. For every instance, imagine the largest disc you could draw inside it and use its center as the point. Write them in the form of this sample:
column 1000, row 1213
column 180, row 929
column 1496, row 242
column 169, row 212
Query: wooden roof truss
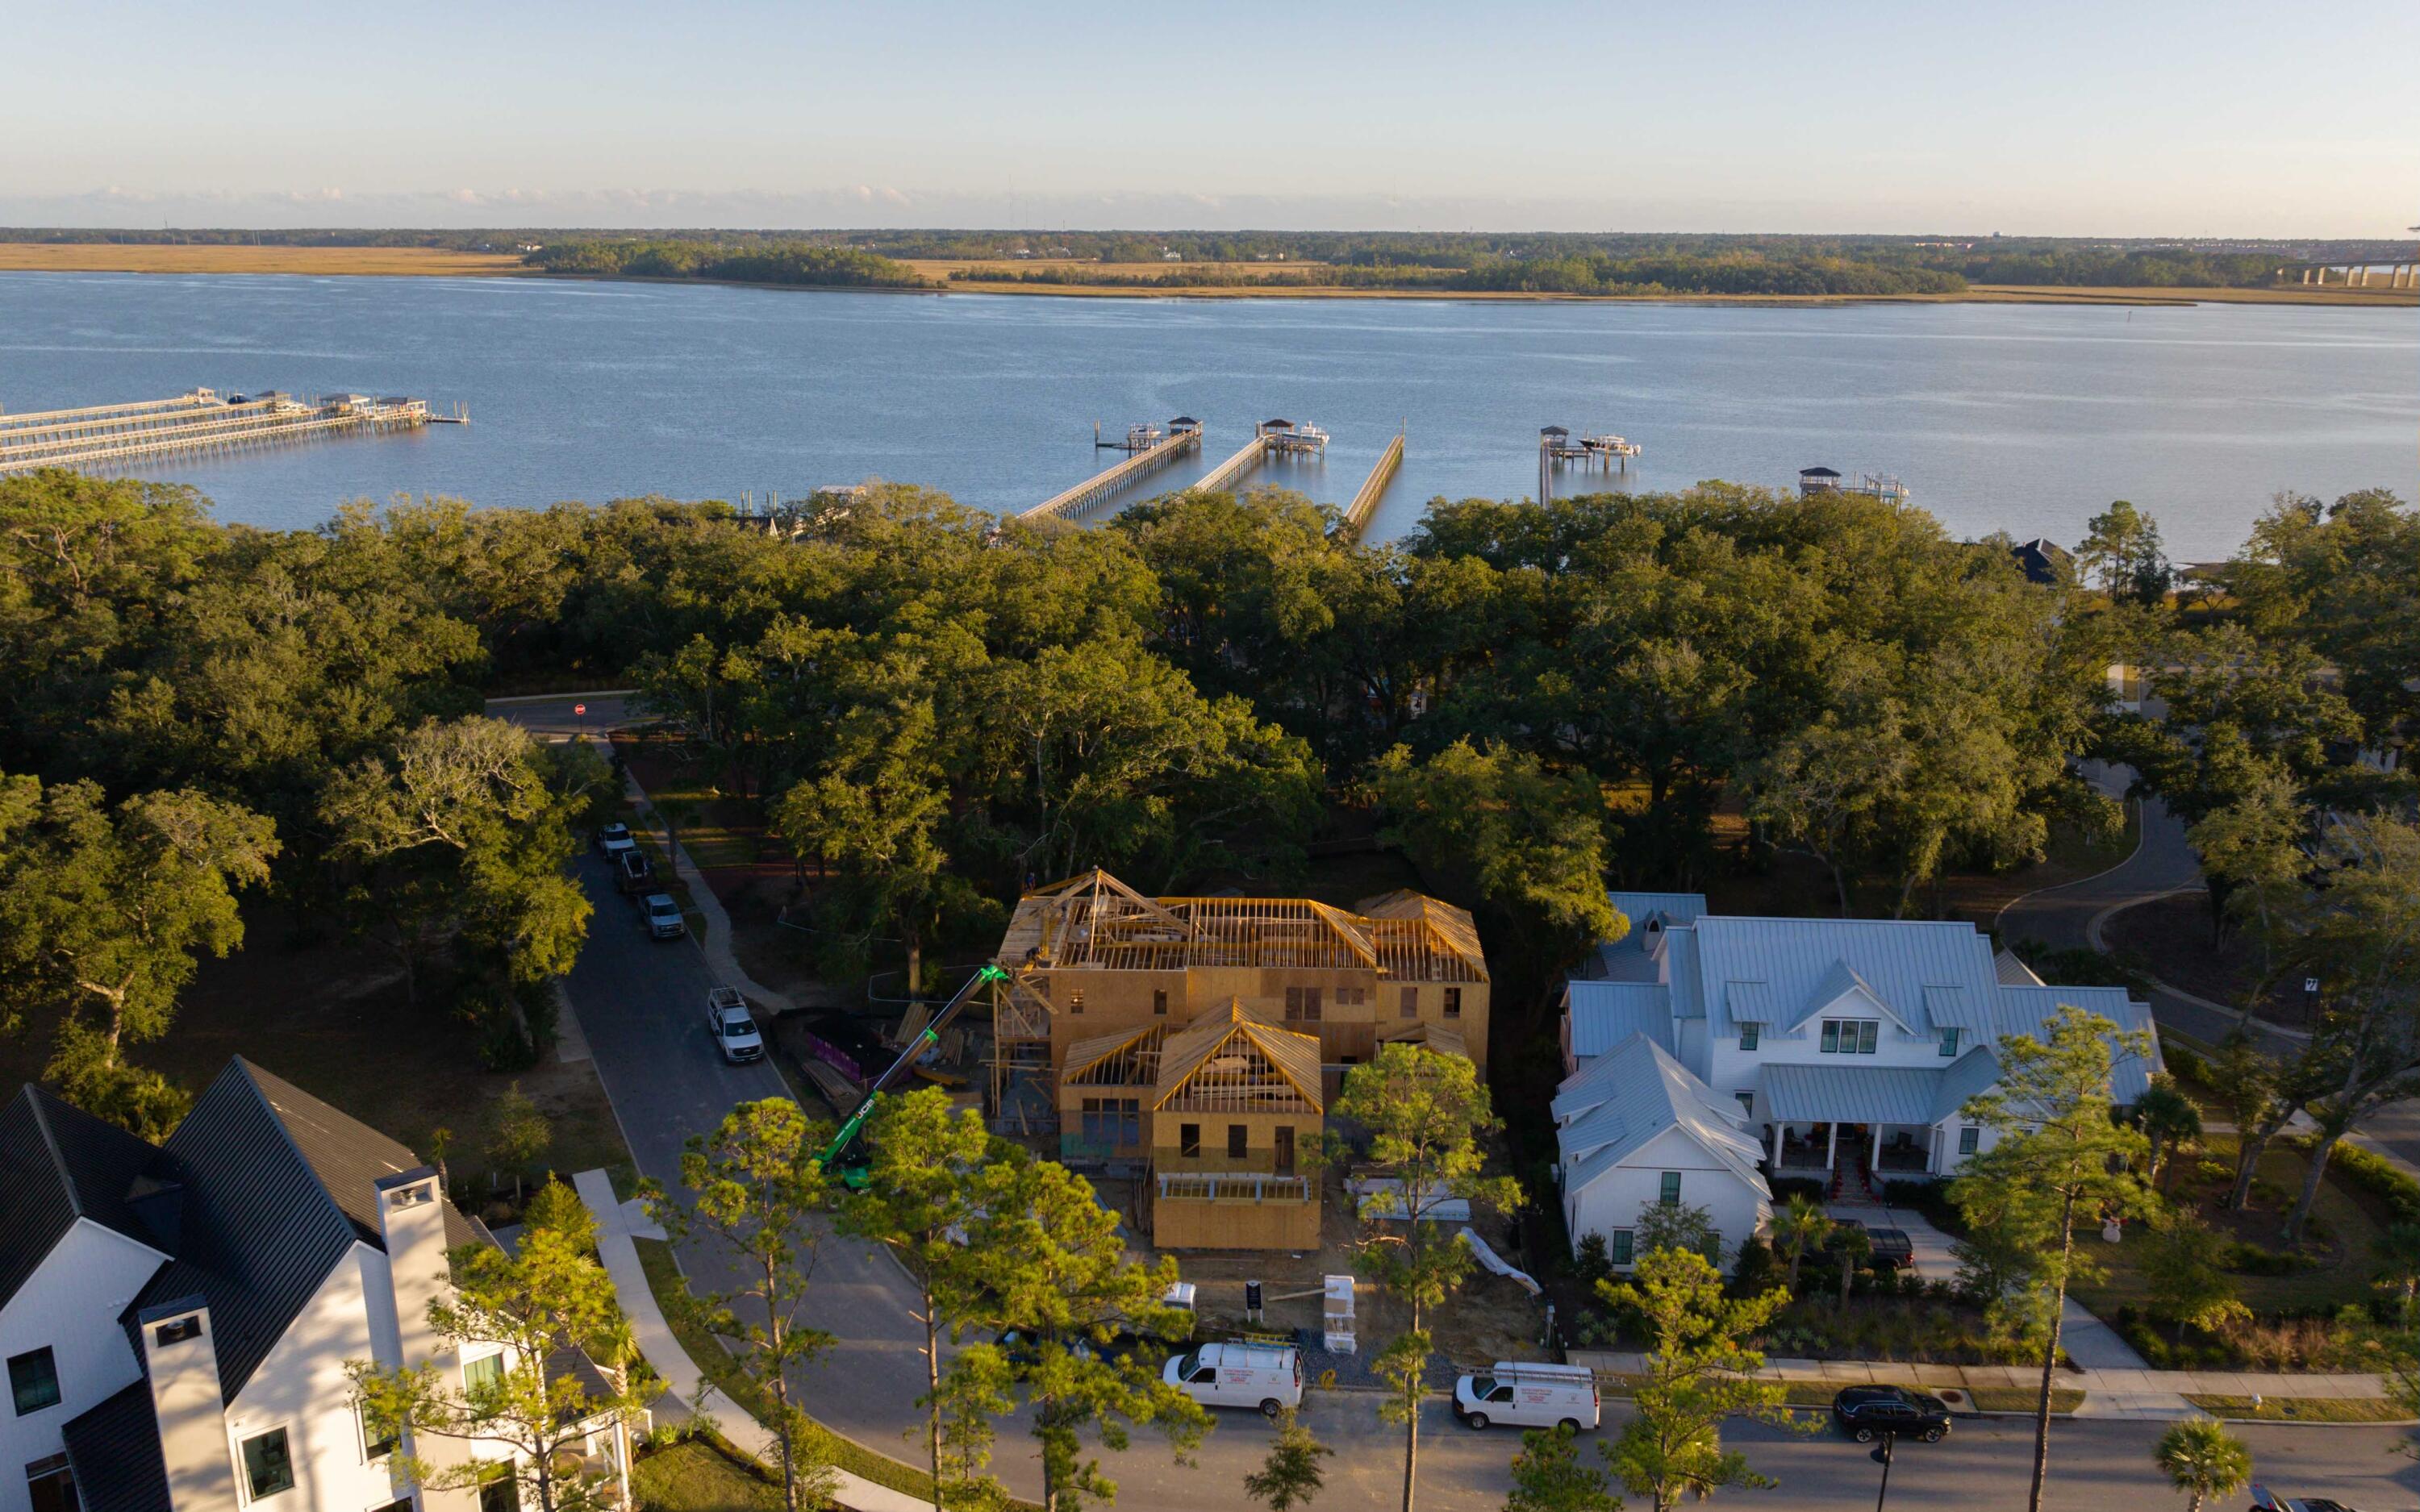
column 1097, row 922
column 1234, row 1063
column 1115, row 1060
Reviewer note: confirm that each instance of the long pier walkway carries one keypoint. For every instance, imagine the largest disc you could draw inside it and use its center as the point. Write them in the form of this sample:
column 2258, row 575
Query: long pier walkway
column 1100, row 486
column 199, row 420
column 1365, row 503
column 1233, row 467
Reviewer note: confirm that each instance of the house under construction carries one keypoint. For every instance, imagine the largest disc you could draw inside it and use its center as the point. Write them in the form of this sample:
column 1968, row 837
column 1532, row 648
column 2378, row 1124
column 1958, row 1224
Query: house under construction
column 1196, row 1042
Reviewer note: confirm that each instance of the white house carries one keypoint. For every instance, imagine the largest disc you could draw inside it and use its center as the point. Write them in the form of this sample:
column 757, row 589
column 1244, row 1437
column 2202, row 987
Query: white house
column 1841, row 1050
column 176, row 1320
column 1637, row 1128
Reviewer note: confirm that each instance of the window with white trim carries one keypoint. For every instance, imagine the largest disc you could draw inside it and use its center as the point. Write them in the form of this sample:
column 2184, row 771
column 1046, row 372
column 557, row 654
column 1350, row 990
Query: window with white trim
column 1669, row 1196
column 1749, row 1033
column 1618, row 1247
column 1949, row 1041
column 1850, row 1036
column 268, row 1465
column 1969, row 1139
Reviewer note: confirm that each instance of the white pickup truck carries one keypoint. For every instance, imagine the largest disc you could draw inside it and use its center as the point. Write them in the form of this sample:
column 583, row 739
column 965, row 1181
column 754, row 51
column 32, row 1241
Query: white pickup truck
column 732, row 1027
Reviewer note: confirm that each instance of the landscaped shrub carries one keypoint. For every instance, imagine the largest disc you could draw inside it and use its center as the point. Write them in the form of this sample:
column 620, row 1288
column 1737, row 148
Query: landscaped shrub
column 1592, row 1262
column 2249, row 1259
column 1786, row 1187
column 1756, row 1271
column 2366, row 1171
column 2184, row 1063
column 1931, row 1201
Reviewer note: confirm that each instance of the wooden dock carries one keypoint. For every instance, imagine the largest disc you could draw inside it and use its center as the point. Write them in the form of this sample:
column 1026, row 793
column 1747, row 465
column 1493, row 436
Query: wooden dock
column 1365, row 503
column 1100, row 486
column 1233, row 467
column 195, row 422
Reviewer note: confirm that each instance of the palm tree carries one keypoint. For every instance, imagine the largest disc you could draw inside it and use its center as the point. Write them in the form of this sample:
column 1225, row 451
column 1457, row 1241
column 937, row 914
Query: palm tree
column 2203, row 1459
column 1852, row 1245
column 2169, row 1119
column 2399, row 1248
column 1798, row 1227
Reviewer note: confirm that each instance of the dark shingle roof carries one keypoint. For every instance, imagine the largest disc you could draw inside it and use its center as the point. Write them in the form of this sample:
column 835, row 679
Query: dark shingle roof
column 277, row 1188
column 113, row 1453
column 58, row 1164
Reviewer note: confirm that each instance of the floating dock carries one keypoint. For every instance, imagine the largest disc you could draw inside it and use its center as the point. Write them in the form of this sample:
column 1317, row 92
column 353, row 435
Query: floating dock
column 1812, row 480
column 199, row 420
column 1184, row 435
column 1556, row 448
column 1270, row 437
column 1365, row 503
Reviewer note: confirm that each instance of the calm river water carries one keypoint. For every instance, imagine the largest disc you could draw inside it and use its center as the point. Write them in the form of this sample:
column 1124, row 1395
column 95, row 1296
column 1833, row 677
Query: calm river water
column 2021, row 417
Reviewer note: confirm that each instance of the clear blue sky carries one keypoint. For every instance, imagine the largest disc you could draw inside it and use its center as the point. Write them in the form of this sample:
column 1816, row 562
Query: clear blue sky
column 2144, row 119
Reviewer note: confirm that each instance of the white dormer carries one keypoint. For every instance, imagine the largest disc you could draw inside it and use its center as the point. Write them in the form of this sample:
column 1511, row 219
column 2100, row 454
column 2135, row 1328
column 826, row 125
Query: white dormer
column 1842, row 996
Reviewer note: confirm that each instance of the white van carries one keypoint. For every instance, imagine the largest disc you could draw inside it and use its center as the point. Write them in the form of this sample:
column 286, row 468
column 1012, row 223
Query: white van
column 1266, row 1376
column 1528, row 1396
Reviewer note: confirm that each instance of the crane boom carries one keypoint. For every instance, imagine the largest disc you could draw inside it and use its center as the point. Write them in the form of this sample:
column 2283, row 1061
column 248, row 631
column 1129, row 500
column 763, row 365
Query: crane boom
column 931, row 1033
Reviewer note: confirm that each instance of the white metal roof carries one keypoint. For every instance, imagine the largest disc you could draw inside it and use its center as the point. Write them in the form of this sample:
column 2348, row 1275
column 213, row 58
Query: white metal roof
column 1605, row 1014
column 1612, row 1106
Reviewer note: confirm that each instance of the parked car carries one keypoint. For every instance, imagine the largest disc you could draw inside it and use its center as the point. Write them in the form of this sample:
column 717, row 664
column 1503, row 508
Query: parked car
column 1529, row 1396
column 633, row 873
column 1232, row 1374
column 1892, row 1249
column 1887, row 1249
column 1865, row 1413
column 663, row 915
column 614, row 838
column 733, row 1027
column 2264, row 1499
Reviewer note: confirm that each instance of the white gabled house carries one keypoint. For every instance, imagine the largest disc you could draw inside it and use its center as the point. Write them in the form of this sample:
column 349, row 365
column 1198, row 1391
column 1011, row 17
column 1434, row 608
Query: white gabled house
column 1637, row 1128
column 1841, row 1050
column 176, row 1320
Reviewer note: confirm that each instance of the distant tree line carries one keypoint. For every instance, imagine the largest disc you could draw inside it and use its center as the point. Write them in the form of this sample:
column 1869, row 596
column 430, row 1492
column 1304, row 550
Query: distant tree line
column 1394, row 256
column 768, row 262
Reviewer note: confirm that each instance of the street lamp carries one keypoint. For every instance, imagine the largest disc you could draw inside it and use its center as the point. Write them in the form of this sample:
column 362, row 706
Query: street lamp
column 1882, row 1456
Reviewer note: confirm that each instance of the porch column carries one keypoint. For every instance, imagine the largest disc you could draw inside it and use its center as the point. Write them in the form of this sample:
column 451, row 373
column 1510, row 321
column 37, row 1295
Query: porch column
column 1874, row 1150
column 1779, row 1130
column 1832, row 1146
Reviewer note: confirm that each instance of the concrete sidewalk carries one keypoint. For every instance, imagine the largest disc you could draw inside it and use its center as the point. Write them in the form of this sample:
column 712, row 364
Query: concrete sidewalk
column 618, row 1224
column 2127, row 1389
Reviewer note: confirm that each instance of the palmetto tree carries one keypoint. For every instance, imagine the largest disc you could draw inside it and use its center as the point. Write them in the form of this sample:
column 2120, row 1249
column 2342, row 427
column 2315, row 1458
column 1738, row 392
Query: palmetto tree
column 2203, row 1459
column 1799, row 1226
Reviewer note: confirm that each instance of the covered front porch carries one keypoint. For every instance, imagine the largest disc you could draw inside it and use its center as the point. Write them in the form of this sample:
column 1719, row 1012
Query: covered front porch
column 1830, row 1119
column 1810, row 1147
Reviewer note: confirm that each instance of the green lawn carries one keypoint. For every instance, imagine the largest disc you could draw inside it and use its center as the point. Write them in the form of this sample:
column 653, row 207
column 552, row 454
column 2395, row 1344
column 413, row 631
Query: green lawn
column 2024, row 1398
column 695, row 1476
column 2304, row 1409
column 2344, row 1267
column 706, row 1351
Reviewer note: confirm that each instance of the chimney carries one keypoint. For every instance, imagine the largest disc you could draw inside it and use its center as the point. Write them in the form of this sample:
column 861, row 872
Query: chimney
column 181, row 1358
column 412, row 1221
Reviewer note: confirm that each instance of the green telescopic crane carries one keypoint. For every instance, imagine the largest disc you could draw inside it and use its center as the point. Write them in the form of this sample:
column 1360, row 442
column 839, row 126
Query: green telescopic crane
column 851, row 1164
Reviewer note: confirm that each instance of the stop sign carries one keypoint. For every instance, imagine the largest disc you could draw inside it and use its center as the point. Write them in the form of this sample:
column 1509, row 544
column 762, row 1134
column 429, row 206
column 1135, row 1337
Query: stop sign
column 580, row 708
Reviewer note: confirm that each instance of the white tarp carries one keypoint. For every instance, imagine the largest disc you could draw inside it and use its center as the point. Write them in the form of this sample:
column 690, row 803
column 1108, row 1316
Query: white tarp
column 1390, row 1206
column 1498, row 1263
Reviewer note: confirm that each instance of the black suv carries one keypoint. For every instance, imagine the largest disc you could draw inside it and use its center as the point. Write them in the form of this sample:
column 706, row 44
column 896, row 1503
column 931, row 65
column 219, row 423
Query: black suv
column 1865, row 1413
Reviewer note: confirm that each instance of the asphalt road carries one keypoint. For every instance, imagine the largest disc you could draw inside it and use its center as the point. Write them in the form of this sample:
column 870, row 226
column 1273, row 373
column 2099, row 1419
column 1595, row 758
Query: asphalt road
column 2063, row 918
